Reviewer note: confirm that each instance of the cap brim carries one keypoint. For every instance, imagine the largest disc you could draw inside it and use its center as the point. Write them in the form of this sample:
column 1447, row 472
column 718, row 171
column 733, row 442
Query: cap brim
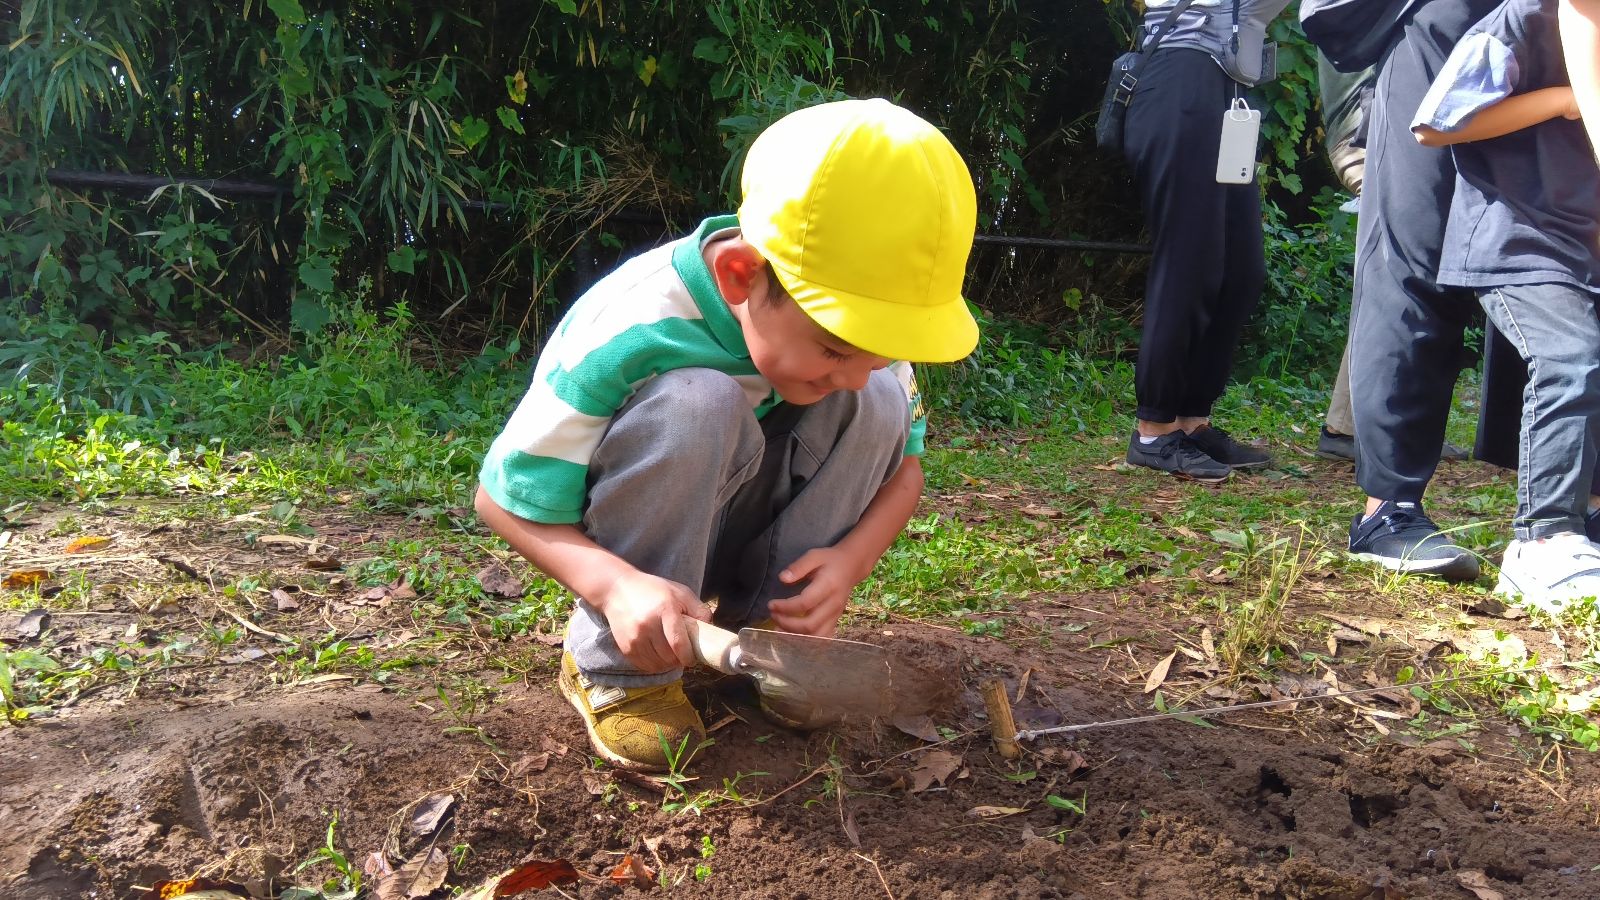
column 943, row 333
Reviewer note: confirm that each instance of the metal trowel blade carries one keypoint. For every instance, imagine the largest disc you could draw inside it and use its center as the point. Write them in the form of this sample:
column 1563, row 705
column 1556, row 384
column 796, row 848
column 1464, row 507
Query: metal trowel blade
column 844, row 678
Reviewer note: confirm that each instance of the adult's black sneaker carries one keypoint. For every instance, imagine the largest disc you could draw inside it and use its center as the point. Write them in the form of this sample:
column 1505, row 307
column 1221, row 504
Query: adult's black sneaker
column 1333, row 445
column 1220, row 446
column 1401, row 538
column 1336, row 446
column 1177, row 453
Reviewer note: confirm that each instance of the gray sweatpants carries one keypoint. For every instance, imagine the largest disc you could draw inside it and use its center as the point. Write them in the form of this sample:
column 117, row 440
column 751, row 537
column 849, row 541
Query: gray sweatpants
column 688, row 485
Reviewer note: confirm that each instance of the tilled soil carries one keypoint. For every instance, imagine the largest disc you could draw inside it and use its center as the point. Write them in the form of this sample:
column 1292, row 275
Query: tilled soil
column 1307, row 803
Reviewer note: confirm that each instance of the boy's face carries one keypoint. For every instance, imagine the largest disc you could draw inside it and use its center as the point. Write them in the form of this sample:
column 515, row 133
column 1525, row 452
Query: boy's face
column 802, row 360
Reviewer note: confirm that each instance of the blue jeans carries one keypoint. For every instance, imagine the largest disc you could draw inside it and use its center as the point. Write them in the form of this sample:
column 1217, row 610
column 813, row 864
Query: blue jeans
column 1557, row 332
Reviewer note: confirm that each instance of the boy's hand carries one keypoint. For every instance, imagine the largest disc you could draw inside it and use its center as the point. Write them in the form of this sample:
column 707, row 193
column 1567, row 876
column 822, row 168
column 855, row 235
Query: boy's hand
column 831, row 574
column 646, row 614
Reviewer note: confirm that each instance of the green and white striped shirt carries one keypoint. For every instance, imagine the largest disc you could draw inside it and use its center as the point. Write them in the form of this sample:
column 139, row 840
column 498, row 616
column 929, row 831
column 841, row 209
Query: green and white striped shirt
column 659, row 311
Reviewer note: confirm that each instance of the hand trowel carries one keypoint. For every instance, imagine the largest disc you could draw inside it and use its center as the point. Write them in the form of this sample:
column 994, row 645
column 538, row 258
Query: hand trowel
column 814, row 680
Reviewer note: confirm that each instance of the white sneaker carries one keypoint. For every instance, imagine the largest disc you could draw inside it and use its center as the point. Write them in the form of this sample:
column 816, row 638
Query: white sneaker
column 1550, row 573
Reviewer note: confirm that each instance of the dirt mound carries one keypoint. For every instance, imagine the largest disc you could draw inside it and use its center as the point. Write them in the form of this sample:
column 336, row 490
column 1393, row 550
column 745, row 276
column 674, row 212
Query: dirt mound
column 1304, row 804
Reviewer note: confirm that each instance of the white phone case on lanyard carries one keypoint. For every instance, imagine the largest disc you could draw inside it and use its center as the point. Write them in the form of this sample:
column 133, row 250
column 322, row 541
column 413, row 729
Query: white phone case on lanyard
column 1236, row 158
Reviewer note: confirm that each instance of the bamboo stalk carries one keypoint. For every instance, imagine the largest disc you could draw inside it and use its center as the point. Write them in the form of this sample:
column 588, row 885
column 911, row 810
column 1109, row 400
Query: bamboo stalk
column 1001, row 725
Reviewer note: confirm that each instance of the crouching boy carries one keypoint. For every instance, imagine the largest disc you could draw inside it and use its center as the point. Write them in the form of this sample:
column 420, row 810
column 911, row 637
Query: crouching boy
column 733, row 415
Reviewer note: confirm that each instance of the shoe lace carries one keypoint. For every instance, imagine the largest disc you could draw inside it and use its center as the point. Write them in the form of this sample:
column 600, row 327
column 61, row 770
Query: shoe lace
column 1191, row 451
column 1402, row 519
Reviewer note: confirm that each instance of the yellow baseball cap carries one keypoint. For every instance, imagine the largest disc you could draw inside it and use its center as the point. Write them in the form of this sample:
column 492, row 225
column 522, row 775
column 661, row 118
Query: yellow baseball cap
column 866, row 213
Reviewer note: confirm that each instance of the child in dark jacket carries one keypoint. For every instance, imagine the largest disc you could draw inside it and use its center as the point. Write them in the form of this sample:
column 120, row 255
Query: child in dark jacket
column 1522, row 233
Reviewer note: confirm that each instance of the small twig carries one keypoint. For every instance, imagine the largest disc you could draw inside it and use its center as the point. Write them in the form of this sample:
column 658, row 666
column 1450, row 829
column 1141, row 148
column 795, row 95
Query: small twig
column 251, row 626
column 765, row 800
column 881, row 880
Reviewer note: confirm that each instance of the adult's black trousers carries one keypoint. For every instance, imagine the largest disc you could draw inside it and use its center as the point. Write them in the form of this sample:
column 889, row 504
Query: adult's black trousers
column 1207, row 266
column 1405, row 342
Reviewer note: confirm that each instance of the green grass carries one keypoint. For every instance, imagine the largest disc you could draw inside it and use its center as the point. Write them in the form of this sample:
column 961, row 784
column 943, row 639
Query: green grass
column 1027, row 497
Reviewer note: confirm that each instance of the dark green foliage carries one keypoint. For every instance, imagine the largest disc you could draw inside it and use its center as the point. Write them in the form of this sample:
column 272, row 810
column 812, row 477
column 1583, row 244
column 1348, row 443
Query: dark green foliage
column 484, row 162
column 1305, row 310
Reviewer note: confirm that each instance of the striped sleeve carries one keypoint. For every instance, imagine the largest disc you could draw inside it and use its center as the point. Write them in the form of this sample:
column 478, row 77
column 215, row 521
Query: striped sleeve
column 637, row 324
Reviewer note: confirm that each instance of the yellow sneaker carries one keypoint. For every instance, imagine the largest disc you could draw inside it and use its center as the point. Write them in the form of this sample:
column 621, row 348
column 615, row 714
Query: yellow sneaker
column 627, row 725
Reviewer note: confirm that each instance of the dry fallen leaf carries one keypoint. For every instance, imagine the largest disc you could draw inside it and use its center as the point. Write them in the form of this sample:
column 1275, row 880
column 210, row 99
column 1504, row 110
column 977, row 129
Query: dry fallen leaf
column 430, row 813
column 497, row 582
column 1159, row 673
column 33, row 623
column 195, row 889
column 401, row 590
column 632, row 869
column 419, row 877
column 935, row 766
column 594, row 783
column 552, row 746
column 1071, row 760
column 995, row 812
column 918, row 726
column 530, row 764
column 88, row 544
column 1478, row 883
column 25, row 578
column 533, row 876
column 377, row 865
column 284, row 600
column 287, row 540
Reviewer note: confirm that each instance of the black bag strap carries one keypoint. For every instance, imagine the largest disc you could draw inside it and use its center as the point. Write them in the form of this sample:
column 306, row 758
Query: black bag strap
column 1130, row 78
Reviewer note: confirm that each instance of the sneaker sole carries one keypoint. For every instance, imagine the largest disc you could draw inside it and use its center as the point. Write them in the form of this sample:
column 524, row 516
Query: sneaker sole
column 1456, row 568
column 570, row 691
column 1549, row 605
column 1333, row 457
column 1182, row 476
column 1200, row 479
column 1251, row 466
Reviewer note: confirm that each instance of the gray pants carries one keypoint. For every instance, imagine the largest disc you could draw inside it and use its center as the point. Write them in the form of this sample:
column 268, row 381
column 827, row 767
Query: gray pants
column 688, row 485
column 1556, row 331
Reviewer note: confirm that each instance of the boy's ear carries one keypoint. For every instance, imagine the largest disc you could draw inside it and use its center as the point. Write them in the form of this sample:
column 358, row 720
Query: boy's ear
column 735, row 266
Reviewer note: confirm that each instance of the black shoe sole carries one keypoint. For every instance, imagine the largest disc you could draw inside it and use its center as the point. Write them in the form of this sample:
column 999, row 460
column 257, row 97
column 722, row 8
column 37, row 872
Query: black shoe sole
column 1250, row 466
column 1184, row 476
column 1333, row 457
column 1457, row 568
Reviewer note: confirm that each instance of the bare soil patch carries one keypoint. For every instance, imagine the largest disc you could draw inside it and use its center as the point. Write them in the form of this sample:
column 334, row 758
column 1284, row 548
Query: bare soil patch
column 231, row 763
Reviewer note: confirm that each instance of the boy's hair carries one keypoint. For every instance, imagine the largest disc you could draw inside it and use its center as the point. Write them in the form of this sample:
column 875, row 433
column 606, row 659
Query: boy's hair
column 865, row 213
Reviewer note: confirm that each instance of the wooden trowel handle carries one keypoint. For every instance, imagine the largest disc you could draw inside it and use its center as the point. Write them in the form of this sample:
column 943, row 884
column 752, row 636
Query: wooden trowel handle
column 716, row 647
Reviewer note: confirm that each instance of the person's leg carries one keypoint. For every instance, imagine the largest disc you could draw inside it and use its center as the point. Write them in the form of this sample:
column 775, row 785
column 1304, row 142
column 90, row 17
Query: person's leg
column 1556, row 331
column 1341, row 419
column 1211, row 354
column 822, row 466
column 672, row 460
column 1554, row 328
column 1244, row 273
column 1406, row 331
column 668, row 465
column 1173, row 132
